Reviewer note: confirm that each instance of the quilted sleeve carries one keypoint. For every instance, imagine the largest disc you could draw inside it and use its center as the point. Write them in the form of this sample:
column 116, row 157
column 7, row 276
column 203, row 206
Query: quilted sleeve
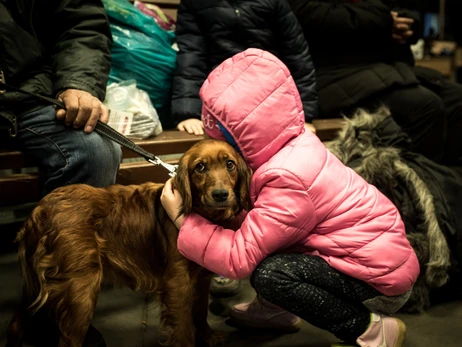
column 295, row 54
column 191, row 66
column 282, row 215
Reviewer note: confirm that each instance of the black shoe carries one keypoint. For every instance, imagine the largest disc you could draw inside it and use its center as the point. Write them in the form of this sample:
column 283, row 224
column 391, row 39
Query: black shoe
column 221, row 287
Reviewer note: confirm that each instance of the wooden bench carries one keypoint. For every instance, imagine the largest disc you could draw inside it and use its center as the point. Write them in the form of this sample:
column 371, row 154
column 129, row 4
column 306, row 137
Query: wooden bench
column 19, row 187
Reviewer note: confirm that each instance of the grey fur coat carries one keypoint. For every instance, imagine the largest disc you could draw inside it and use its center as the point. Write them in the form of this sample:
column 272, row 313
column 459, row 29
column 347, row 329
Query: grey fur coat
column 428, row 196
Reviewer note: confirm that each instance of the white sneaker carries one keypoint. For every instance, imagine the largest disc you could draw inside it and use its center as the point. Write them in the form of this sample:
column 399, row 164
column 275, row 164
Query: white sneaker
column 383, row 331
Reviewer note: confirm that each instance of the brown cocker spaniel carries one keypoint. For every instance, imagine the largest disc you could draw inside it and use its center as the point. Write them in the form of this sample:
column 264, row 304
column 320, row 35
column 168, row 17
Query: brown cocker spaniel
column 79, row 236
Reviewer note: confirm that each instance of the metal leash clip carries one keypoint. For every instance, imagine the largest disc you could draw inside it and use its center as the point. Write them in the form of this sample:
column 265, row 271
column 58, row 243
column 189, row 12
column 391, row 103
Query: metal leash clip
column 171, row 168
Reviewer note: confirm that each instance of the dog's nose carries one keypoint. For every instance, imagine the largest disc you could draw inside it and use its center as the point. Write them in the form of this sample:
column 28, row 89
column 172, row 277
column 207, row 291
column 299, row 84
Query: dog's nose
column 220, row 195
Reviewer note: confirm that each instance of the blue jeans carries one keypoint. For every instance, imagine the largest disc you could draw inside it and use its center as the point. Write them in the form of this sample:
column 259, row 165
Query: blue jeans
column 65, row 155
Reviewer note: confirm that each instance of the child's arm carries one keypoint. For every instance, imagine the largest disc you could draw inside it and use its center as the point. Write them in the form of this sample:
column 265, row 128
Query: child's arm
column 293, row 50
column 191, row 67
column 283, row 214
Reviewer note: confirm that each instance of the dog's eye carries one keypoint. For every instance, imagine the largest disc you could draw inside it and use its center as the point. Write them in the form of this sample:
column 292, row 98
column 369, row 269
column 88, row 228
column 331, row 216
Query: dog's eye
column 200, row 168
column 230, row 165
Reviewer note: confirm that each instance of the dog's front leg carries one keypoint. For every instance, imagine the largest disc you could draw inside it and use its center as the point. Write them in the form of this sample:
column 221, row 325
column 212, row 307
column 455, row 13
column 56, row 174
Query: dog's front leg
column 205, row 336
column 177, row 302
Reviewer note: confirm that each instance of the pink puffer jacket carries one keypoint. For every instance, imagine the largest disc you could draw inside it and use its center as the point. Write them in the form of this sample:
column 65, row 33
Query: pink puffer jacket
column 305, row 199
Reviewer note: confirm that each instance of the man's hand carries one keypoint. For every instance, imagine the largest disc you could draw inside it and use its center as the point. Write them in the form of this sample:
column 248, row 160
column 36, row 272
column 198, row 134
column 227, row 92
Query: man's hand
column 310, row 127
column 172, row 201
column 401, row 28
column 82, row 109
column 192, row 126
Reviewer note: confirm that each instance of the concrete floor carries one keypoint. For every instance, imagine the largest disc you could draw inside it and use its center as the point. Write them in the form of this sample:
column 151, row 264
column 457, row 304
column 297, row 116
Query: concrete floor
column 127, row 319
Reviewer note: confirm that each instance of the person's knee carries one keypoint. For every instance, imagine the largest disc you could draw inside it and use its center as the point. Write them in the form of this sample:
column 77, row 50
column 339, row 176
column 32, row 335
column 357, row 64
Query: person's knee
column 105, row 152
column 95, row 161
column 428, row 106
column 269, row 271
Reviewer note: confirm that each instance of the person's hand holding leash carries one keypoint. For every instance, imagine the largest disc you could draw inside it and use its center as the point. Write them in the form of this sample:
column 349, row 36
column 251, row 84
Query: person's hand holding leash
column 172, row 202
column 82, row 109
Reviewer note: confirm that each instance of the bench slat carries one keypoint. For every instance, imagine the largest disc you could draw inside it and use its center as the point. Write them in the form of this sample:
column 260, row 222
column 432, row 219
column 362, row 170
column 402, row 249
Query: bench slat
column 25, row 188
column 168, row 142
column 19, row 189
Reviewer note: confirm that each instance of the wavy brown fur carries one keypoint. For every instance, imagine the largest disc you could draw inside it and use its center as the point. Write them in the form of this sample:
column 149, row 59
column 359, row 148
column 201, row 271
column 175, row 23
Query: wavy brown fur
column 78, row 235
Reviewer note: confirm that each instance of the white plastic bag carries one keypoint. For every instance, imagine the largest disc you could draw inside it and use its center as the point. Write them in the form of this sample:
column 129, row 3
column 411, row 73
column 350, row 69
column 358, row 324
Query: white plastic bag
column 131, row 111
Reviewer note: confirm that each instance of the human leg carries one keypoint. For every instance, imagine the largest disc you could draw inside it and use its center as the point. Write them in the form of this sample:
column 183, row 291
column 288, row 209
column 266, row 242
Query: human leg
column 310, row 288
column 65, row 155
column 451, row 94
column 420, row 113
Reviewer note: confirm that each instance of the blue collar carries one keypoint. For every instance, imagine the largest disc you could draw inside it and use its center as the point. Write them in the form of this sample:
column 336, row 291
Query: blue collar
column 228, row 137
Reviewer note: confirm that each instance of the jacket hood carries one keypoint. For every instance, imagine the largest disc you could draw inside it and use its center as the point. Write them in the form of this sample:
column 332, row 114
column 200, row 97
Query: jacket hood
column 253, row 98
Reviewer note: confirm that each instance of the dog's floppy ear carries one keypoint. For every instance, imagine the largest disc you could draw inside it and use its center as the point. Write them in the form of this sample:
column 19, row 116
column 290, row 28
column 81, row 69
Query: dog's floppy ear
column 245, row 175
column 182, row 183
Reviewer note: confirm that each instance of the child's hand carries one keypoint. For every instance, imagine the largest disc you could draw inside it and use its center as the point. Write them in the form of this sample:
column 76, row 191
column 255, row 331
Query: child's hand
column 310, row 127
column 172, row 201
column 192, row 126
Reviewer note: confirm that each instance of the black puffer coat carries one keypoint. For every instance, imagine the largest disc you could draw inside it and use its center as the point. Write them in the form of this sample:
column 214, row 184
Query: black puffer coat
column 210, row 31
column 352, row 49
column 35, row 40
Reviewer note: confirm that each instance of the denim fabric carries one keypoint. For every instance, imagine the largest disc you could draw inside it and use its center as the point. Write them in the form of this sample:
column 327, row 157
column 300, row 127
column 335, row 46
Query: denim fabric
column 66, row 155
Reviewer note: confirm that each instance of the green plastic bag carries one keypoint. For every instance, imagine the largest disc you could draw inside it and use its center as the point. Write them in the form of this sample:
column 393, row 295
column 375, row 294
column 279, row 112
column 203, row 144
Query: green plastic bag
column 142, row 51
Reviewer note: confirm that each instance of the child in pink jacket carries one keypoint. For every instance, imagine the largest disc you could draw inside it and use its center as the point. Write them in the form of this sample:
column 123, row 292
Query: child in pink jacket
column 320, row 243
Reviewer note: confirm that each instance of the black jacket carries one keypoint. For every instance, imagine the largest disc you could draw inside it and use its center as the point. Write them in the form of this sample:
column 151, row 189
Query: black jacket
column 210, row 31
column 48, row 46
column 352, row 49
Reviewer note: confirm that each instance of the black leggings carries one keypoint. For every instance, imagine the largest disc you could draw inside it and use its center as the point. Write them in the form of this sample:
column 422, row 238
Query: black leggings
column 310, row 288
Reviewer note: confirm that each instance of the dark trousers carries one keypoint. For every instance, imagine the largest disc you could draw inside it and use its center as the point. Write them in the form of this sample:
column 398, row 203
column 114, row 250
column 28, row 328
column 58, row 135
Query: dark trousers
column 310, row 288
column 420, row 113
column 430, row 113
column 451, row 95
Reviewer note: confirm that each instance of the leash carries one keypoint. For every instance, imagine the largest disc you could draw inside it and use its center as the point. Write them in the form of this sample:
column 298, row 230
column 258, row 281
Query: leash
column 101, row 128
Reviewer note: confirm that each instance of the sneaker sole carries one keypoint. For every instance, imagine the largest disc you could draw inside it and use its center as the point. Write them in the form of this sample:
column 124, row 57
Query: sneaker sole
column 401, row 333
column 267, row 326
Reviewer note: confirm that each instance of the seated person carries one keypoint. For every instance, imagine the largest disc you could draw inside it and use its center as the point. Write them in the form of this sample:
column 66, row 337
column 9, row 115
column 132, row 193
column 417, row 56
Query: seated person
column 361, row 54
column 70, row 60
column 211, row 31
